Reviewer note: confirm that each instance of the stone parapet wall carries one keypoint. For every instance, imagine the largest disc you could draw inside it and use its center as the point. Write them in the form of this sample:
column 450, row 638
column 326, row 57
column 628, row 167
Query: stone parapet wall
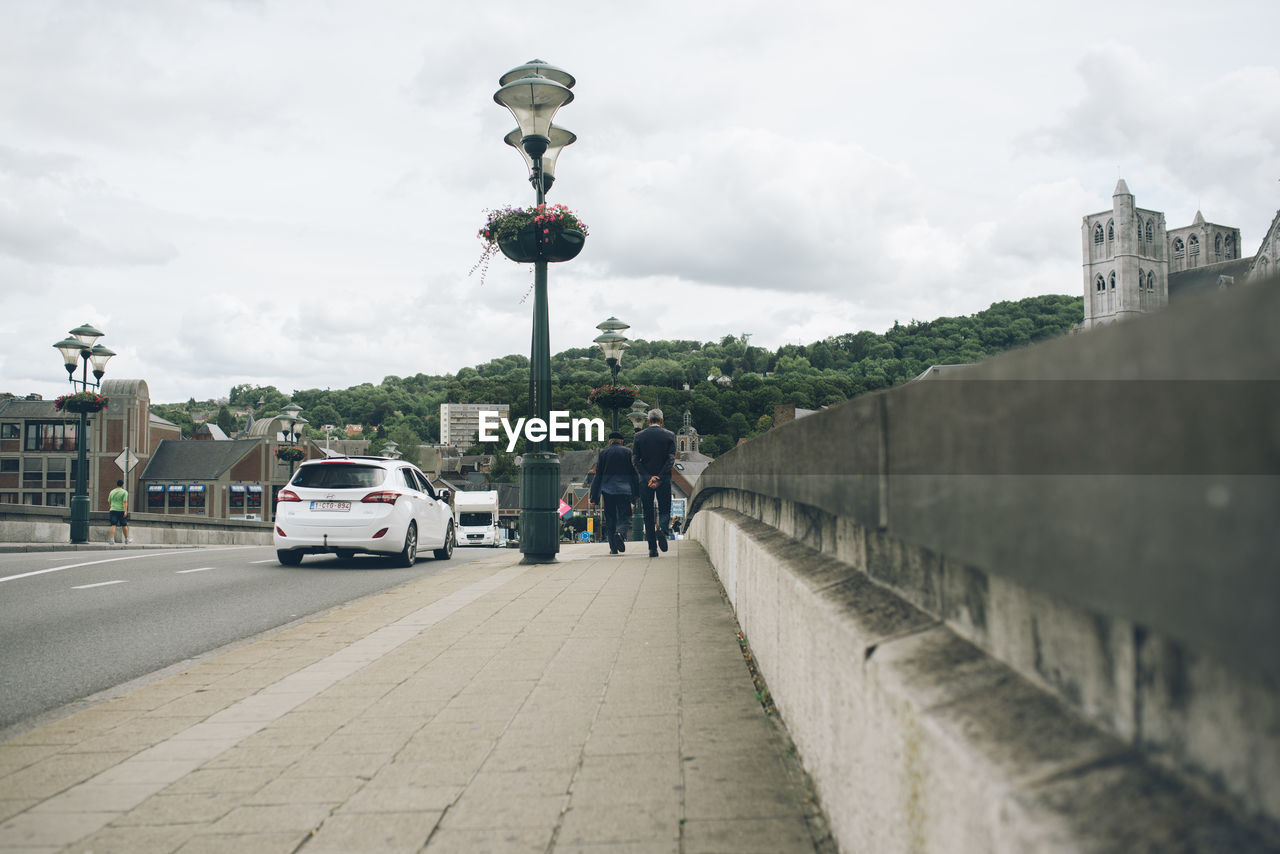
column 1076, row 538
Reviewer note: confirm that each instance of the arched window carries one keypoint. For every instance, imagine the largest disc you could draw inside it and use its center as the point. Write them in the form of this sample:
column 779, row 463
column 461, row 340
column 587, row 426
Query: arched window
column 1217, row 246
column 1148, row 231
column 1151, row 281
column 1231, row 242
column 1112, row 280
column 1099, row 285
column 1179, row 250
column 1111, row 231
column 1097, row 233
column 1193, row 248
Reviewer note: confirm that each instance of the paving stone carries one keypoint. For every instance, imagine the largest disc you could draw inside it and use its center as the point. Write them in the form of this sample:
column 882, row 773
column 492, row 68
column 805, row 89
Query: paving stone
column 638, row 822
column 156, row 839
column 498, row 841
column 383, row 833
column 277, row 842
column 201, row 808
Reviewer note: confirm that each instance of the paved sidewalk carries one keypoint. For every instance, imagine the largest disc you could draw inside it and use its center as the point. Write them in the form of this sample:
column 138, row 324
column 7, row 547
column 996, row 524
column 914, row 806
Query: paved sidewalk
column 599, row 704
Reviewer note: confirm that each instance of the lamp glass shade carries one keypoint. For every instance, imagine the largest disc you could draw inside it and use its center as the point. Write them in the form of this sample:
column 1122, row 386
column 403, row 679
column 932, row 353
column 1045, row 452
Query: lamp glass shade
column 70, row 349
column 533, row 101
column 86, row 334
column 612, row 344
column 537, row 66
column 559, row 139
column 99, row 356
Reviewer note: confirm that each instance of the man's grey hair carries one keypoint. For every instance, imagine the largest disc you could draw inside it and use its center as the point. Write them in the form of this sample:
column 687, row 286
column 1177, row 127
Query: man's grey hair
column 655, row 415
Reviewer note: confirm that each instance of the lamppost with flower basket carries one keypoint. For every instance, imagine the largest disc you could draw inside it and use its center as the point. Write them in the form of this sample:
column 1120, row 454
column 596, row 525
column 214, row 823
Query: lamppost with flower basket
column 78, row 349
column 612, row 343
column 533, row 92
column 291, row 421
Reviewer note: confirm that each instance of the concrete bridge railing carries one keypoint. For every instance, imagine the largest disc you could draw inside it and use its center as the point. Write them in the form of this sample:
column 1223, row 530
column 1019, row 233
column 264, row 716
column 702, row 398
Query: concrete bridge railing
column 1033, row 605
column 25, row 524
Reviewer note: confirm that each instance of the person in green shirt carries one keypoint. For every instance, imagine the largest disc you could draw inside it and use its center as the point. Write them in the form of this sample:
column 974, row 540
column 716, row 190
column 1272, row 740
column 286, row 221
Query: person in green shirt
column 118, row 512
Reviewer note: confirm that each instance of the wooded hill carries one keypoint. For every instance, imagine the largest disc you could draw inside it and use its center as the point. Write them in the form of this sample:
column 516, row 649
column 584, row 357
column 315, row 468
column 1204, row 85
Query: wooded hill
column 407, row 409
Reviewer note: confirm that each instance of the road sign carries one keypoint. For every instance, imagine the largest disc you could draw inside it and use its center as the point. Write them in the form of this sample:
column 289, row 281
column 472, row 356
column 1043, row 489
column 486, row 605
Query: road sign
column 126, row 461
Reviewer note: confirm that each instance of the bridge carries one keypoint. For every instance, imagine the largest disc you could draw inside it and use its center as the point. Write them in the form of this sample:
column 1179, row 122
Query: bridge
column 1029, row 605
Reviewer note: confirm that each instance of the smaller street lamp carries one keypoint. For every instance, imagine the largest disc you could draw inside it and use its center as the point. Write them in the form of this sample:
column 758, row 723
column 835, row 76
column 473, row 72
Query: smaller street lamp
column 291, row 421
column 639, row 412
column 80, row 348
column 612, row 343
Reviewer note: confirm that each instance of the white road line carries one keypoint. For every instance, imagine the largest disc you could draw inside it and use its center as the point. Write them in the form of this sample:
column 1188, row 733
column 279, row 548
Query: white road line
column 109, row 560
column 197, row 569
column 100, row 584
column 272, row 560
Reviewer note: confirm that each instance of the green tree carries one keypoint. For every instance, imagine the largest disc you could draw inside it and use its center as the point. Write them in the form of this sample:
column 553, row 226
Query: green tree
column 225, row 420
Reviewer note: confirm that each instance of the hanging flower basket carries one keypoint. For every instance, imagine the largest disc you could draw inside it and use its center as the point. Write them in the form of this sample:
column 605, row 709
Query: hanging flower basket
column 82, row 401
column 613, row 396
column 290, row 453
column 525, row 235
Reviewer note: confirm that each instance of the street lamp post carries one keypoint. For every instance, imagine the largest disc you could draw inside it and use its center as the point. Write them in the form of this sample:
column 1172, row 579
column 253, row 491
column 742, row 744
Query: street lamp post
column 533, row 92
column 612, row 342
column 292, row 421
column 78, row 350
column 639, row 412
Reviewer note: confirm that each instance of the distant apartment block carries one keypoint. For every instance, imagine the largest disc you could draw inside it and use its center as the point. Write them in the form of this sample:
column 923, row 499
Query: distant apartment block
column 460, row 422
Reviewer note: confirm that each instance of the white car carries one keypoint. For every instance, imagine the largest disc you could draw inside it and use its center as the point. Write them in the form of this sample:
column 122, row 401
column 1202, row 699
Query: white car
column 348, row 505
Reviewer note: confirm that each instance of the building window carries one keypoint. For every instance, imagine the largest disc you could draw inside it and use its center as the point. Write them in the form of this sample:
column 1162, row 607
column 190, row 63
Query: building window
column 1099, row 285
column 1111, row 231
column 51, row 436
column 1151, row 281
column 9, row 465
column 1193, row 249
column 32, row 471
column 56, row 471
column 1231, row 242
column 35, row 499
column 9, row 431
column 1217, row 246
column 1112, row 281
column 1097, row 233
column 8, row 498
column 1179, row 250
column 1148, row 231
column 55, row 499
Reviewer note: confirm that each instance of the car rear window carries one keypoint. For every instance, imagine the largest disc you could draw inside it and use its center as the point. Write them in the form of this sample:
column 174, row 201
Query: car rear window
column 339, row 476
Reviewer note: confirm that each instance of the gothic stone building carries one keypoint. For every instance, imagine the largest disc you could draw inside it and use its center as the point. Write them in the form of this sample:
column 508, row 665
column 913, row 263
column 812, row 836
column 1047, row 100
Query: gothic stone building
column 1134, row 264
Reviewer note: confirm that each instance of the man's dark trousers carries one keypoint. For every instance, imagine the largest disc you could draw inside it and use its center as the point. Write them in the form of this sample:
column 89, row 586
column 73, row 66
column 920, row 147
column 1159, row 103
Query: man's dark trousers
column 663, row 494
column 617, row 516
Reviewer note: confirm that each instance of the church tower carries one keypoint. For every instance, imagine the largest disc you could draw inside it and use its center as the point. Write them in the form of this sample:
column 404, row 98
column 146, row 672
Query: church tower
column 687, row 438
column 1126, row 267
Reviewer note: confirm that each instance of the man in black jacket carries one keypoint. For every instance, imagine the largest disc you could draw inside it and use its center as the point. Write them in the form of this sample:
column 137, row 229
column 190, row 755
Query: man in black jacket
column 616, row 481
column 653, row 452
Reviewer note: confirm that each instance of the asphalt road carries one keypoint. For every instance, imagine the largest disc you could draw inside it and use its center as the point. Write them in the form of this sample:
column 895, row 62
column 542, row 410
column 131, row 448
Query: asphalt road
column 73, row 624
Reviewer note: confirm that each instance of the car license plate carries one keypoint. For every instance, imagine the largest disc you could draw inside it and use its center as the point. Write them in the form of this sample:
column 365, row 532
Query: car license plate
column 331, row 506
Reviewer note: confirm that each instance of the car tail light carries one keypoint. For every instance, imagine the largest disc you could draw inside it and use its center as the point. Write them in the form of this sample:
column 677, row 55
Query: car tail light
column 380, row 498
column 287, row 495
column 380, row 533
column 280, row 532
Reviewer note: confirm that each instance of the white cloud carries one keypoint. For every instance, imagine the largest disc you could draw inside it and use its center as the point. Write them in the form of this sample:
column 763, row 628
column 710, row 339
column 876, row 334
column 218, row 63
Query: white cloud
column 287, row 193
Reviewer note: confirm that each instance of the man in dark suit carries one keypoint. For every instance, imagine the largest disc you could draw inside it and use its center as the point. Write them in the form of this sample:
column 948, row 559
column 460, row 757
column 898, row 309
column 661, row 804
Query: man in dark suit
column 616, row 482
column 653, row 452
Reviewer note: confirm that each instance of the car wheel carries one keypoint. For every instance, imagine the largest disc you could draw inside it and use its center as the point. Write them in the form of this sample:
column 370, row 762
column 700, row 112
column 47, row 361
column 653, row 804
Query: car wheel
column 447, row 551
column 408, row 556
column 288, row 557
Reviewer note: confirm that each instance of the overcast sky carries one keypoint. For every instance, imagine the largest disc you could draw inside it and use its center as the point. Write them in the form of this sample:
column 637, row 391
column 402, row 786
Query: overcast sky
column 287, row 192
